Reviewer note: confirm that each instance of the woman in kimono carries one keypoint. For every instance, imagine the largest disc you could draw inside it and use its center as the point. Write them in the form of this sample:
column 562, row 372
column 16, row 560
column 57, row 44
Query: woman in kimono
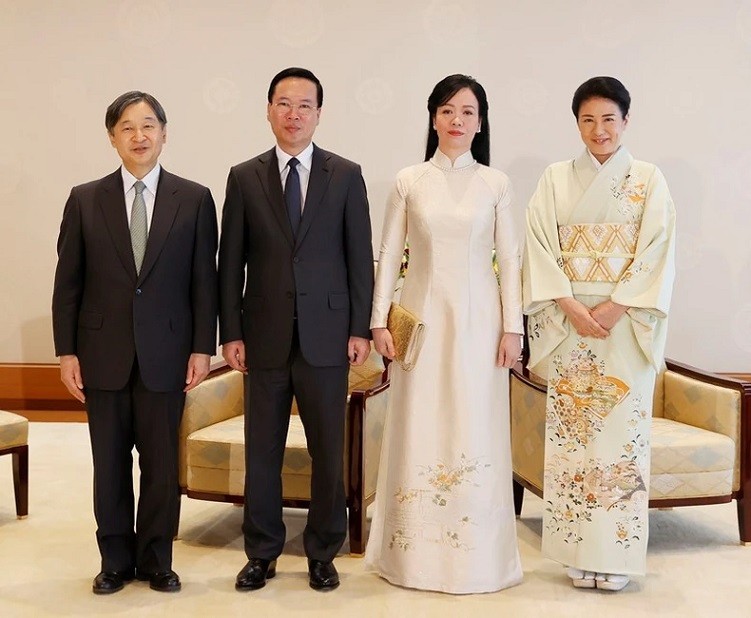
column 598, row 277
column 444, row 516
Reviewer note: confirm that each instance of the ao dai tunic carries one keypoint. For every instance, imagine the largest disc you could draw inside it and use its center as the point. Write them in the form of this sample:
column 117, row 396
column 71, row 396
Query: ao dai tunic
column 444, row 516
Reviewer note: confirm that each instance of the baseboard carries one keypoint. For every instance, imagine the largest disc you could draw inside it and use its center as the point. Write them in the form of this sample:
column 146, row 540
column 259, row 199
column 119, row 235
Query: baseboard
column 36, row 390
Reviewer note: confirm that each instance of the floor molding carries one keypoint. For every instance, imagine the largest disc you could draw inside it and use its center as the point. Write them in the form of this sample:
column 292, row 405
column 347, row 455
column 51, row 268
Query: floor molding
column 36, row 391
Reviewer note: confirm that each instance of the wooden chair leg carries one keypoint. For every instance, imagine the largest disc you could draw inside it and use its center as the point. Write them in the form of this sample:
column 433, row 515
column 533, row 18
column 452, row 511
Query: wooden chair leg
column 357, row 523
column 21, row 480
column 518, row 498
column 744, row 520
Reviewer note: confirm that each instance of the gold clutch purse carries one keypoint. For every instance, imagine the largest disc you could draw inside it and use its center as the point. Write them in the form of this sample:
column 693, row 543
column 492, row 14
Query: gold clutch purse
column 407, row 331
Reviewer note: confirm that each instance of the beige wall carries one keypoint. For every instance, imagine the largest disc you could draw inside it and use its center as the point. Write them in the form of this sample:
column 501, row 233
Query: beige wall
column 687, row 64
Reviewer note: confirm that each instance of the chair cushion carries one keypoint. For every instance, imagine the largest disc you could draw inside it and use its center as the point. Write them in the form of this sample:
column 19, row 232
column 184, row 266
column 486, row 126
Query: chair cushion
column 216, row 460
column 215, row 454
column 709, row 406
column 688, row 462
column 14, row 430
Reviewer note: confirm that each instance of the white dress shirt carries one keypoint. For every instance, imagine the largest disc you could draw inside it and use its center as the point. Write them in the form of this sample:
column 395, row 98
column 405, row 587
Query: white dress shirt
column 303, row 169
column 151, row 180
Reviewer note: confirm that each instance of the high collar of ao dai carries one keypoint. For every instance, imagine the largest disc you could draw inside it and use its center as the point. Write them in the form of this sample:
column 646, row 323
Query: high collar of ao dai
column 462, row 161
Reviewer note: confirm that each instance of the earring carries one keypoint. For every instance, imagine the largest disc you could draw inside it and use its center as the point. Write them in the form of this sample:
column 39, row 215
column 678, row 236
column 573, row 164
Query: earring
column 434, row 128
column 479, row 129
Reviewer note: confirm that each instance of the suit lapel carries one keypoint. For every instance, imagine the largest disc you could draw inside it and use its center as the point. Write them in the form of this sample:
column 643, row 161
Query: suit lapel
column 165, row 209
column 268, row 174
column 320, row 175
column 111, row 200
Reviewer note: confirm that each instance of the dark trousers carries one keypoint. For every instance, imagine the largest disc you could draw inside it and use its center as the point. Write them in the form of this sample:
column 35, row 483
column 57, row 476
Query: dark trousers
column 321, row 394
column 118, row 421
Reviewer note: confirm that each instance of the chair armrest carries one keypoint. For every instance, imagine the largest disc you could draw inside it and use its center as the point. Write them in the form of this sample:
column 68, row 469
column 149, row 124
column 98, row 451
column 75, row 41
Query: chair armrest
column 706, row 400
column 217, row 398
column 366, row 417
column 715, row 403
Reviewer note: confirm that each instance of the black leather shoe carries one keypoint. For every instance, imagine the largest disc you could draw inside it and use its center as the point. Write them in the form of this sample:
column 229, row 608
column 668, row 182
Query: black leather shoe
column 323, row 575
column 255, row 573
column 107, row 582
column 167, row 581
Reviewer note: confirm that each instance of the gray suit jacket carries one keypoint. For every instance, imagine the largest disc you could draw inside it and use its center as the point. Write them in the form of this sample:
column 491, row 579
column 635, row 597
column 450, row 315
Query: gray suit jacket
column 325, row 274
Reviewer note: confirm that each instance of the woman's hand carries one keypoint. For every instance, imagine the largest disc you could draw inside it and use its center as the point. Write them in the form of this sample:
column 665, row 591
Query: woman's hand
column 509, row 350
column 384, row 342
column 608, row 313
column 581, row 318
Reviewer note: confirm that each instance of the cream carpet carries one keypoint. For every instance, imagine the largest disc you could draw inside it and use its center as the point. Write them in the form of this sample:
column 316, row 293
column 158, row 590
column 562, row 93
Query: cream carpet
column 696, row 565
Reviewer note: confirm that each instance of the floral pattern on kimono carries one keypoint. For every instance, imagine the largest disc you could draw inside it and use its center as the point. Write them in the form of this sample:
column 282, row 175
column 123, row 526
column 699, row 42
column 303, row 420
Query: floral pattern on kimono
column 580, row 398
column 584, row 486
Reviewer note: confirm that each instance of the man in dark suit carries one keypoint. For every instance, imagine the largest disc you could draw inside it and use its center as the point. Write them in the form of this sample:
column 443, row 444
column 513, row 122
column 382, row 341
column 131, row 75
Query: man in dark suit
column 296, row 234
column 134, row 313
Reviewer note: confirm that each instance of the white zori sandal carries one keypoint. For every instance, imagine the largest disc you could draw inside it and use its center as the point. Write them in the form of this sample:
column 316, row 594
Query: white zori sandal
column 581, row 579
column 611, row 581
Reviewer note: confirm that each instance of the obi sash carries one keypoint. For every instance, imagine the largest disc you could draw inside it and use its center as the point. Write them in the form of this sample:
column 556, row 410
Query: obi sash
column 597, row 252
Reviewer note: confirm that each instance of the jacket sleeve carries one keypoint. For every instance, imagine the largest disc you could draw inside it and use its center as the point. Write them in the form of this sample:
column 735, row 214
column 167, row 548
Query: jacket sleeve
column 232, row 259
column 204, row 284
column 69, row 278
column 358, row 246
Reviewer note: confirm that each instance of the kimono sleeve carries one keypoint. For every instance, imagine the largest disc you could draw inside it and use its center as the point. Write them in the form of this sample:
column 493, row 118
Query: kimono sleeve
column 543, row 277
column 647, row 285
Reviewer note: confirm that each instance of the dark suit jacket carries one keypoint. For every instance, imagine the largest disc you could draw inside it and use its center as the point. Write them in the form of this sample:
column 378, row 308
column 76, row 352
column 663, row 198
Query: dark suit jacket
column 106, row 314
column 327, row 270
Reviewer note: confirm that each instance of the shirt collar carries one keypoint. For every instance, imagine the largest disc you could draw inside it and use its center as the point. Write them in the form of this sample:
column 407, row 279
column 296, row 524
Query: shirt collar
column 305, row 157
column 151, row 180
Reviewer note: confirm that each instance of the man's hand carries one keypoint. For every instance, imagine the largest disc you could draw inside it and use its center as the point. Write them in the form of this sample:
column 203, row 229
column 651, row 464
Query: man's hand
column 198, row 369
column 384, row 342
column 234, row 353
column 358, row 350
column 608, row 313
column 581, row 319
column 509, row 350
column 70, row 375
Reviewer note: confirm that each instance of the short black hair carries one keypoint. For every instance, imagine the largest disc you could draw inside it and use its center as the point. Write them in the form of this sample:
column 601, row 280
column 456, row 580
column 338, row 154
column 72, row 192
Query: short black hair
column 117, row 107
column 602, row 87
column 300, row 73
column 445, row 90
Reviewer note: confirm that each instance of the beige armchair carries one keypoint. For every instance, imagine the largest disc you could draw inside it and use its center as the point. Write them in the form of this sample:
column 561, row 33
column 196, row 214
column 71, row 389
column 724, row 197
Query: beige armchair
column 701, row 440
column 14, row 436
column 212, row 459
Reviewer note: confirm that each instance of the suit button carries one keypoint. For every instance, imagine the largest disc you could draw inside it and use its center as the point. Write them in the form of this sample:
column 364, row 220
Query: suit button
column 290, row 295
column 138, row 291
column 296, row 260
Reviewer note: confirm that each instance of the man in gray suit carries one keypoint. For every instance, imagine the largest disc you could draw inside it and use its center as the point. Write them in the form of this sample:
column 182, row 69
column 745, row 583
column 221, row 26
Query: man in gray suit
column 296, row 236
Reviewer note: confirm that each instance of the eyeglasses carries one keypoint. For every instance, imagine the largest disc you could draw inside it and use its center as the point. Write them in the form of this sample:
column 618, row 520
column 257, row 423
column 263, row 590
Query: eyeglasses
column 284, row 107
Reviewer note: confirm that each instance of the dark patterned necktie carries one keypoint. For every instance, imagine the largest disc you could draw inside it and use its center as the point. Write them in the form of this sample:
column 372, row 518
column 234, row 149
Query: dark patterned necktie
column 293, row 195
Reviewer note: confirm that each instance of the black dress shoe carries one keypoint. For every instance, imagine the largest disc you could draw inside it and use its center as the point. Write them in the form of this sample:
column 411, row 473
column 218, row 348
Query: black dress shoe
column 255, row 573
column 167, row 581
column 107, row 582
column 323, row 575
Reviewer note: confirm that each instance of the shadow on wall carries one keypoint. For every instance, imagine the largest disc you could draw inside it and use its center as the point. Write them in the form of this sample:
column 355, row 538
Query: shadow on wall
column 36, row 341
column 524, row 173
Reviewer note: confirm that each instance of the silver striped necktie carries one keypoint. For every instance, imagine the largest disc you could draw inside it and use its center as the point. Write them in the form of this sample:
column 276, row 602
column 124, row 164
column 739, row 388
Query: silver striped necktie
column 138, row 232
